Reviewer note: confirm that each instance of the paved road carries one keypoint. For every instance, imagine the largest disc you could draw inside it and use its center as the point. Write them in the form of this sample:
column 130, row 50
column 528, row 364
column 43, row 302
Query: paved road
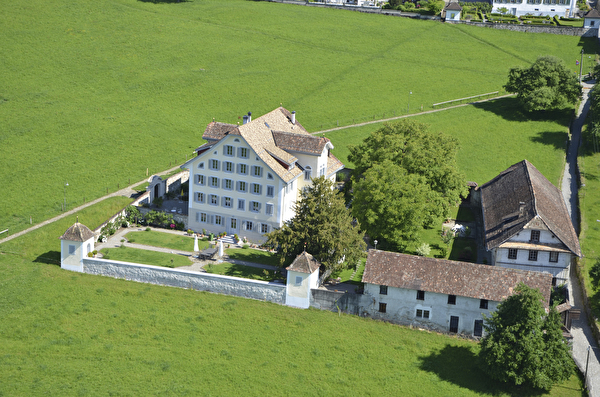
column 581, row 331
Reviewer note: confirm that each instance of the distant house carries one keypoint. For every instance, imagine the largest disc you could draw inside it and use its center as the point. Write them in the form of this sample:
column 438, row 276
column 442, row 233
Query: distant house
column 526, row 223
column 452, row 11
column 591, row 19
column 438, row 294
column 246, row 178
column 560, row 8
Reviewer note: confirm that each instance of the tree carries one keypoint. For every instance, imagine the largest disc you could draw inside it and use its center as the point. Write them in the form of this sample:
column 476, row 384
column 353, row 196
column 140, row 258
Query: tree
column 405, row 178
column 524, row 346
column 435, row 6
column 324, row 227
column 547, row 84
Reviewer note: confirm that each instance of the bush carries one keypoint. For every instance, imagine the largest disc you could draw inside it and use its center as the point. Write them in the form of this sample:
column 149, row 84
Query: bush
column 595, row 274
column 148, row 229
column 158, row 201
column 423, row 250
column 245, row 246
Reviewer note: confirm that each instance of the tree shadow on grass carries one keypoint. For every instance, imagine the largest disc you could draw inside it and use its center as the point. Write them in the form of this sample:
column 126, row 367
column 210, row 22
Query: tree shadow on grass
column 554, row 138
column 510, row 109
column 50, row 258
column 459, row 365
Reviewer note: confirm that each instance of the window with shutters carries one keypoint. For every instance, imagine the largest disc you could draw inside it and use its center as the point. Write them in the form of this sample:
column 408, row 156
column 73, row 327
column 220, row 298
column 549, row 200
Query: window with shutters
column 214, row 165
column 243, row 152
column 200, row 180
column 254, row 206
column 200, row 197
column 242, row 187
column 227, row 184
column 214, row 199
column 256, row 188
column 228, row 166
column 228, row 150
column 227, row 202
column 264, row 228
column 242, row 169
column 214, row 181
column 241, row 204
column 257, row 171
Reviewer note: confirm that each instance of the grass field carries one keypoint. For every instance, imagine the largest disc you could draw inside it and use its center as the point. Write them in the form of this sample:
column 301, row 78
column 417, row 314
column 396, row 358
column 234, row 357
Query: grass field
column 72, row 334
column 235, row 270
column 589, row 207
column 492, row 136
column 97, row 94
column 178, row 242
column 253, row 255
column 154, row 258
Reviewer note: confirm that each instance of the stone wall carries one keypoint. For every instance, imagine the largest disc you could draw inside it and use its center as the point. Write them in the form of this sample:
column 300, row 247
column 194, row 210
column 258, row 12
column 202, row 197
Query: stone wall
column 175, row 181
column 561, row 30
column 253, row 289
column 334, row 300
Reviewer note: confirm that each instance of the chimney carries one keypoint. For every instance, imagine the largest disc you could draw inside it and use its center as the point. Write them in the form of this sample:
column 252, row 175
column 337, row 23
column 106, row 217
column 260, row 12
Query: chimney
column 294, row 117
column 249, row 116
column 521, row 207
column 244, row 119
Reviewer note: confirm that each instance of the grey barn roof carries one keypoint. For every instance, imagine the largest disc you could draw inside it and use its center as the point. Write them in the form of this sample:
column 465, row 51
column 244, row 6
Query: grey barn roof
column 450, row 277
column 519, row 195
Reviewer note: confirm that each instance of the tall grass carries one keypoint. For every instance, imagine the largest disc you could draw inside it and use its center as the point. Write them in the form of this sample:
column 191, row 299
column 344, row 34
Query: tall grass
column 99, row 93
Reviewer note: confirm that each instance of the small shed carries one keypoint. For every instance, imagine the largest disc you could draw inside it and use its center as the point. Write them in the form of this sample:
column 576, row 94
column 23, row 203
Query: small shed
column 302, row 276
column 453, row 10
column 75, row 244
column 591, row 19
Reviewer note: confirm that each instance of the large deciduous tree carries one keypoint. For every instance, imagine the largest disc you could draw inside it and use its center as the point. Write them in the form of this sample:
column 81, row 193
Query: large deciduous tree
column 405, row 178
column 323, row 225
column 546, row 84
column 523, row 345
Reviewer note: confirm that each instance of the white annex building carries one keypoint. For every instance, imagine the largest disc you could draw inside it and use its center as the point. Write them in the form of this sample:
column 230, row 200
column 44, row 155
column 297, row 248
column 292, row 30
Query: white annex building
column 246, row 178
column 439, row 294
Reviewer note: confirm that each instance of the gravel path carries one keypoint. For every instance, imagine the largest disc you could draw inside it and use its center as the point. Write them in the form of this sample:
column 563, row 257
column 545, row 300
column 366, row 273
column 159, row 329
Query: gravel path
column 583, row 338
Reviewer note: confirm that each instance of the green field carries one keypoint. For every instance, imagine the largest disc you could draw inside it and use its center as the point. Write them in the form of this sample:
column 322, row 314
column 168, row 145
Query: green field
column 72, row 334
column 146, row 257
column 98, row 93
column 178, row 242
column 492, row 136
column 589, row 207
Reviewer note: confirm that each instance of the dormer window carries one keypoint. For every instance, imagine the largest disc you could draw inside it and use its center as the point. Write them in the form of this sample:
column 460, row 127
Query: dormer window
column 535, row 236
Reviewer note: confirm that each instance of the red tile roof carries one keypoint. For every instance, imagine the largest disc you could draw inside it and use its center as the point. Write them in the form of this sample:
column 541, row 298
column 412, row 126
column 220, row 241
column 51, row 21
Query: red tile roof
column 450, row 277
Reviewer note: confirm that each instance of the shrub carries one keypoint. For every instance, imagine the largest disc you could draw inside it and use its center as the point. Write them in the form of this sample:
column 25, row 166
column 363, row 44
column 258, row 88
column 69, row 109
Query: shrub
column 423, row 250
column 90, row 255
column 158, row 201
column 148, row 229
column 595, row 274
column 245, row 246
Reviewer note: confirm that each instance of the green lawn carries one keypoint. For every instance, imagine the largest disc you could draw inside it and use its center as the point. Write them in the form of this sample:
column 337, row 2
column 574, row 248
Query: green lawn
column 145, row 257
column 589, row 207
column 252, row 255
column 72, row 334
column 162, row 70
column 492, row 137
column 346, row 274
column 233, row 270
column 179, row 242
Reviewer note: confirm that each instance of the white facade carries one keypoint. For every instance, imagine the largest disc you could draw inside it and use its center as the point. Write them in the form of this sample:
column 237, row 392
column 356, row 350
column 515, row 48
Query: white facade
column 560, row 8
column 298, row 288
column 434, row 311
column 523, row 252
column 242, row 183
column 237, row 193
column 73, row 252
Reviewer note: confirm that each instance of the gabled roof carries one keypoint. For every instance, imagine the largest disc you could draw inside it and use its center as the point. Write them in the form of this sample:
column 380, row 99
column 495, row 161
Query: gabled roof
column 77, row 232
column 450, row 277
column 453, row 6
column 270, row 136
column 302, row 143
column 521, row 195
column 304, row 263
column 216, row 131
column 593, row 13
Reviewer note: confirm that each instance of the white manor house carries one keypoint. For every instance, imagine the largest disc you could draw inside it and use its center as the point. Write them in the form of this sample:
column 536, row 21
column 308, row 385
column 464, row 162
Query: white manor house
column 246, row 178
